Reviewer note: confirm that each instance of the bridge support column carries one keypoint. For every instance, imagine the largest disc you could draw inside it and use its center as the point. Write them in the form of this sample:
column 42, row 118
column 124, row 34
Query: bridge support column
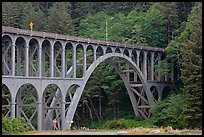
column 40, row 61
column 138, row 64
column 40, row 111
column 52, row 60
column 18, row 60
column 63, row 62
column 159, row 59
column 94, row 54
column 13, row 59
column 152, row 66
column 145, row 64
column 84, row 63
column 27, row 59
column 13, row 106
column 63, row 113
column 18, row 104
column 74, row 61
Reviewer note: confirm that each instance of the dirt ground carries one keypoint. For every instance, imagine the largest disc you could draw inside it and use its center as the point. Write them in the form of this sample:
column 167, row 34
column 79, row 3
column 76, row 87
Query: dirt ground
column 133, row 131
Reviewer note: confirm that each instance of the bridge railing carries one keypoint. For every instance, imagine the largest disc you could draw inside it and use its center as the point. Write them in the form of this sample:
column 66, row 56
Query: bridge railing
column 76, row 39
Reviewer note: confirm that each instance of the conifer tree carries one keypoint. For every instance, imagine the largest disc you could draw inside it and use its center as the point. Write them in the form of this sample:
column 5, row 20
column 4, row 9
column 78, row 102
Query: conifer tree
column 59, row 19
column 191, row 69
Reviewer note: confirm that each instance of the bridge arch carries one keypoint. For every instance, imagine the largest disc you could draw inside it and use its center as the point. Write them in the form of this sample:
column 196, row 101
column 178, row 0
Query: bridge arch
column 90, row 70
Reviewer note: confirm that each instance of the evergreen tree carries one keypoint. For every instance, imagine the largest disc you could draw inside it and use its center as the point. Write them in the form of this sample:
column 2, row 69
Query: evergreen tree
column 59, row 19
column 10, row 14
column 191, row 69
column 34, row 14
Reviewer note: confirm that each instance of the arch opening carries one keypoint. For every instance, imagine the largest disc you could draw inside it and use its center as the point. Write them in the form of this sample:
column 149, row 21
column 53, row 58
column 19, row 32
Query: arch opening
column 57, row 59
column 6, row 55
column 33, row 58
column 6, row 100
column 46, row 58
column 20, row 59
column 79, row 60
column 166, row 92
column 26, row 104
column 139, row 110
column 52, row 100
column 68, row 60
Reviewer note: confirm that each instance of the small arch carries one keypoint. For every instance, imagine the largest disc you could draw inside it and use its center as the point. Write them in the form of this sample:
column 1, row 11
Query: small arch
column 155, row 93
column 108, row 50
column 79, row 60
column 20, row 52
column 134, row 56
column 58, row 59
column 117, row 50
column 45, row 59
column 89, row 55
column 126, row 52
column 99, row 51
column 166, row 92
column 68, row 59
column 33, row 57
column 6, row 55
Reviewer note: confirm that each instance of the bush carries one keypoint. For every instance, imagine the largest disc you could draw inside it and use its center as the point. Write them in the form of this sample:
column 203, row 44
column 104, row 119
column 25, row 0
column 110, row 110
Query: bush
column 16, row 125
column 168, row 112
column 126, row 123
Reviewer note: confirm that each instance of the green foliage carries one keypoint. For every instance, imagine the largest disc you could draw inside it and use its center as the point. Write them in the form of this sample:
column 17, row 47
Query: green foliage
column 126, row 123
column 191, row 68
column 17, row 125
column 168, row 112
column 34, row 14
column 59, row 19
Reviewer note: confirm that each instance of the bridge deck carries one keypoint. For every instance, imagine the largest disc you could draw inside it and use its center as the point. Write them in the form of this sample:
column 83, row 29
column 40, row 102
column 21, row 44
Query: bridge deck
column 12, row 30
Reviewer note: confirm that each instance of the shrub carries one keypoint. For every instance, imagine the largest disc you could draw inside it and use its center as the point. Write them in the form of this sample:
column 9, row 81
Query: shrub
column 16, row 125
column 126, row 123
column 168, row 112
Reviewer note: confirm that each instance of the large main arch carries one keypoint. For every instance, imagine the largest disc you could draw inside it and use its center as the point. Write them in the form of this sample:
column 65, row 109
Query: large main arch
column 94, row 65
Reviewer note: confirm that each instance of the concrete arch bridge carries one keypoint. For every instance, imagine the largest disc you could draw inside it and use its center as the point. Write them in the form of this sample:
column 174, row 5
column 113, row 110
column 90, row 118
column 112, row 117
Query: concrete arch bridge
column 47, row 73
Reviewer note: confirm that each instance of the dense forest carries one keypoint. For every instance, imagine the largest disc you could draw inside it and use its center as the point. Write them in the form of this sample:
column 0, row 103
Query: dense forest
column 174, row 26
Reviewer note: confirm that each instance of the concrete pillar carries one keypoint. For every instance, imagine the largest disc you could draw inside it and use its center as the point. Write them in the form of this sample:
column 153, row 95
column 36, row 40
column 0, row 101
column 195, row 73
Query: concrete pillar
column 74, row 61
column 159, row 59
column 40, row 60
column 84, row 63
column 63, row 62
column 145, row 64
column 18, row 104
column 94, row 54
column 138, row 58
column 13, row 59
column 52, row 60
column 63, row 113
column 40, row 111
column 27, row 59
column 127, row 73
column 152, row 66
column 18, row 61
column 12, row 106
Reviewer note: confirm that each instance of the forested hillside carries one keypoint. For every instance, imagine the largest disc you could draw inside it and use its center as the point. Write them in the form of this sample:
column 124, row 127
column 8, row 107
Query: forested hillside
column 174, row 26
